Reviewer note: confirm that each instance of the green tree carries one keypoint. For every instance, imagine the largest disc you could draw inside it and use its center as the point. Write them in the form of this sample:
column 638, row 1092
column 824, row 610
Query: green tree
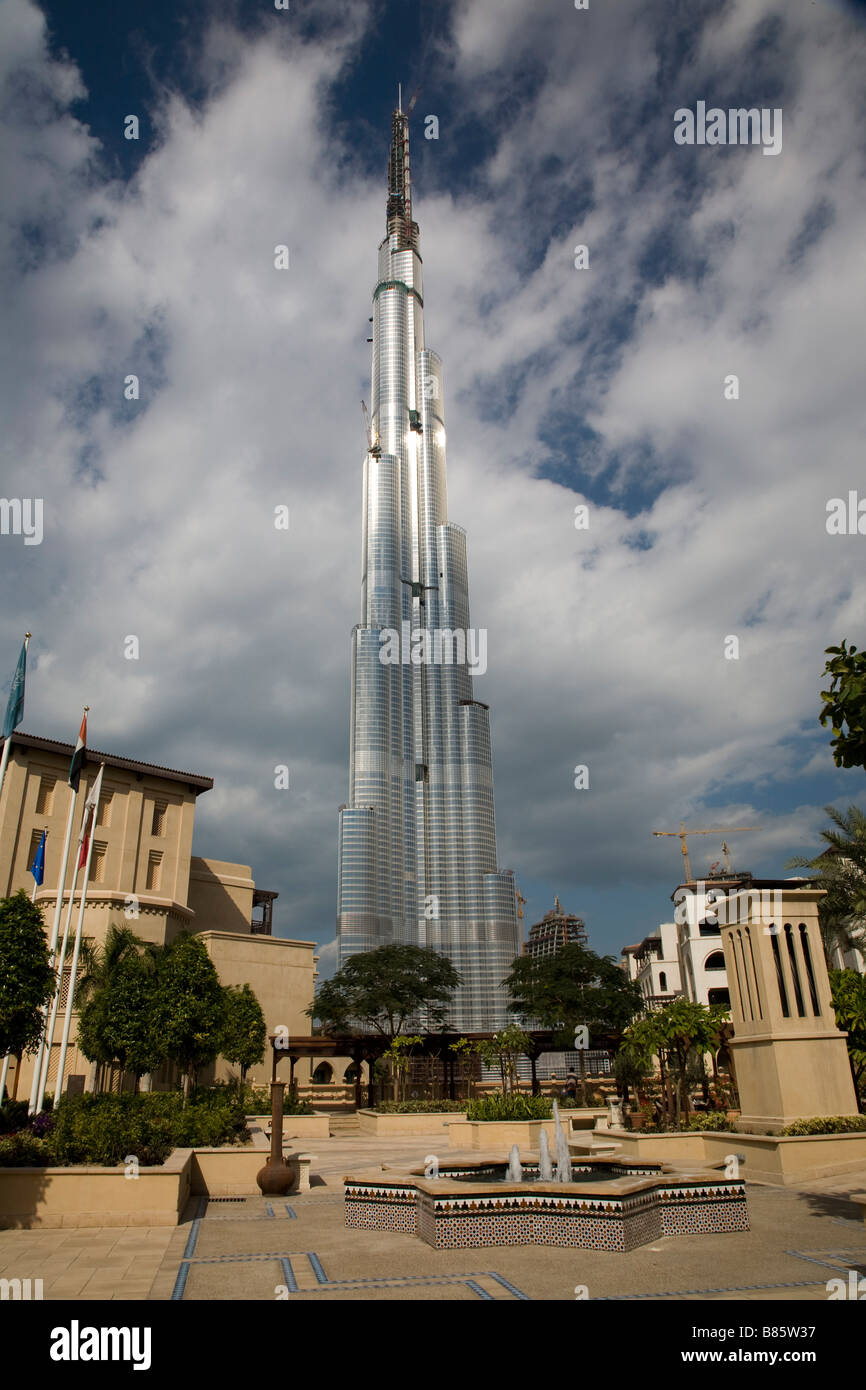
column 398, row 1055
column 676, row 1032
column 117, row 1024
column 848, row 992
column 98, row 964
column 244, row 1029
column 381, row 990
column 189, row 1006
column 840, row 870
column 26, row 976
column 502, row 1050
column 571, row 987
column 845, row 704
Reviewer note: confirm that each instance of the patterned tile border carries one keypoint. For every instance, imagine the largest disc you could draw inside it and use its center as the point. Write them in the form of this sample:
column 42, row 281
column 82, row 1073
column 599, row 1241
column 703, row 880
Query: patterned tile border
column 582, row 1219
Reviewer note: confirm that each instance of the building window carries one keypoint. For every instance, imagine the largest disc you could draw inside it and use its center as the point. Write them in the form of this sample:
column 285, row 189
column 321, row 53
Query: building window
column 154, row 870
column 160, row 809
column 719, row 996
column 103, row 819
column 35, row 837
column 45, row 796
column 323, row 1075
column 663, row 981
column 97, row 862
column 715, row 961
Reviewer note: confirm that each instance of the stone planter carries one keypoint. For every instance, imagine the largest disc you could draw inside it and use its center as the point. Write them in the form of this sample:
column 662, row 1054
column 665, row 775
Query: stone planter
column 296, row 1126
column 398, row 1126
column 497, row 1136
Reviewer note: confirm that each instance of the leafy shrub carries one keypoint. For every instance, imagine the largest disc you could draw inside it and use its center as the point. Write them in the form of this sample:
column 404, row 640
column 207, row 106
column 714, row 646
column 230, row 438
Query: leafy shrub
column 420, row 1107
column 103, row 1129
column 514, row 1106
column 711, row 1120
column 24, row 1150
column 827, row 1124
column 42, row 1124
column 13, row 1115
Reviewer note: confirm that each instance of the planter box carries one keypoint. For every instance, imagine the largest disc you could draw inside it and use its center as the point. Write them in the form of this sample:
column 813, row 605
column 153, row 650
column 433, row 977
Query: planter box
column 398, row 1126
column 296, row 1126
column 497, row 1136
column 769, row 1158
column 88, row 1195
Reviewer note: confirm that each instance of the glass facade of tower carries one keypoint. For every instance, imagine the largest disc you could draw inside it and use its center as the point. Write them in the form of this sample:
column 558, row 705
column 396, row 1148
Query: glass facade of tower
column 417, row 841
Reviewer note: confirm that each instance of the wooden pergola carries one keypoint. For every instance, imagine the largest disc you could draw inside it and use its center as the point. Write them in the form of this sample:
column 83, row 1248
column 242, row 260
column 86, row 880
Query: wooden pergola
column 369, row 1047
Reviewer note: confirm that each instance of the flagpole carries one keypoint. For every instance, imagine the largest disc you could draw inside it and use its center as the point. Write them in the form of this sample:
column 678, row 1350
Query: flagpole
column 55, row 929
column 55, row 1002
column 70, row 997
column 7, row 742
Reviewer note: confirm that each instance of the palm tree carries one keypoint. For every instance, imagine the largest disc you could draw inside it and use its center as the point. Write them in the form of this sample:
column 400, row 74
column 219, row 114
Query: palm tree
column 97, row 966
column 840, row 870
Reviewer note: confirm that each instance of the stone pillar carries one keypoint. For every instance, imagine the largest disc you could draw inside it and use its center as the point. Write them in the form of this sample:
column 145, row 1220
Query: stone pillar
column 789, row 1057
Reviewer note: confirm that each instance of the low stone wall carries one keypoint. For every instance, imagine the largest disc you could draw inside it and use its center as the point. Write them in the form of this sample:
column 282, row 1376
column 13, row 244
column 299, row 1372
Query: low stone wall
column 783, row 1161
column 398, row 1126
column 497, row 1136
column 88, row 1195
column 296, row 1126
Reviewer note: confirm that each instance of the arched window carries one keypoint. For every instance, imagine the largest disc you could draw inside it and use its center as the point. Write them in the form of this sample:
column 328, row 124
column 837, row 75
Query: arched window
column 350, row 1075
column 663, row 981
column 715, row 961
column 323, row 1075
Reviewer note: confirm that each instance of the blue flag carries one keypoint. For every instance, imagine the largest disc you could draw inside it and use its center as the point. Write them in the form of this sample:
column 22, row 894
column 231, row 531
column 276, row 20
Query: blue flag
column 37, row 868
column 15, row 704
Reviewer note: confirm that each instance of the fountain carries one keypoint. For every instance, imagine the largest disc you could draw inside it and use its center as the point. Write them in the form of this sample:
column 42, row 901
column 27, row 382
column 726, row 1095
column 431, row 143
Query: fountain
column 563, row 1158
column 545, row 1166
column 515, row 1170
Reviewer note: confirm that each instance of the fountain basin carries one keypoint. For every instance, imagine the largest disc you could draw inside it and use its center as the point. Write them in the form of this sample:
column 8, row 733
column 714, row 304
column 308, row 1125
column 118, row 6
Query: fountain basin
column 612, row 1205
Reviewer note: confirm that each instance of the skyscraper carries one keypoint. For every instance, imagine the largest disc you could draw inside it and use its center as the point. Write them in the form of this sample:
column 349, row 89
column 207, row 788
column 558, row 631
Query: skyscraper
column 555, row 930
column 417, row 840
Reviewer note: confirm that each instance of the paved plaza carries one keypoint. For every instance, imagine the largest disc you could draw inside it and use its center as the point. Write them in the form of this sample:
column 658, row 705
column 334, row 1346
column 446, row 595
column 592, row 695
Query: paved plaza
column 298, row 1248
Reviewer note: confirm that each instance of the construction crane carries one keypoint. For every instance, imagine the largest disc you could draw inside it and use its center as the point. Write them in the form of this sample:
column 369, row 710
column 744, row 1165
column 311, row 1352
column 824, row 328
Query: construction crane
column 372, row 446
column 714, row 830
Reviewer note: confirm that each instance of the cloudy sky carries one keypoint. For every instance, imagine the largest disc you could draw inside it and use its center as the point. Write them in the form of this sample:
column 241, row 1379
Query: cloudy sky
column 602, row 386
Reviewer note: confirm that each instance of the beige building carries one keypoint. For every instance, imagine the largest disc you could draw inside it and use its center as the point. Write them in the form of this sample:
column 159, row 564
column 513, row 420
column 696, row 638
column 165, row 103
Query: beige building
column 144, row 875
column 790, row 1058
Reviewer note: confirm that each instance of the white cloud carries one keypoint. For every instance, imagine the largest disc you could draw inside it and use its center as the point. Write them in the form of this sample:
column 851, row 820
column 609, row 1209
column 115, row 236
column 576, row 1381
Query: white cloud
column 159, row 520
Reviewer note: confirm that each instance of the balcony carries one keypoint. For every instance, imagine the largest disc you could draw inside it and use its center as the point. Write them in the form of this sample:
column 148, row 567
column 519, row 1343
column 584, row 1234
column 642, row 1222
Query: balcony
column 263, row 926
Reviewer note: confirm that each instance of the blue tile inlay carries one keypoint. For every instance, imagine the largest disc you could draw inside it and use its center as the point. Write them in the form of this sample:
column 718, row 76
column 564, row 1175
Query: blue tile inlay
column 289, row 1279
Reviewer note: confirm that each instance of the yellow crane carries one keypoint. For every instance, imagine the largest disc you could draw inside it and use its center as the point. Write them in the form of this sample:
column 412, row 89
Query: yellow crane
column 714, row 830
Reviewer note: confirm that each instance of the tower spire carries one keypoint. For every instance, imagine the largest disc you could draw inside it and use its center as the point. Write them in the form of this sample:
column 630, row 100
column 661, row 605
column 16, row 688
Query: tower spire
column 399, row 206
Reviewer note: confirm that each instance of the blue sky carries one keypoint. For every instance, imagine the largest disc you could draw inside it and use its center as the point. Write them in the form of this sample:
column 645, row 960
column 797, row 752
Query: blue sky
column 601, row 386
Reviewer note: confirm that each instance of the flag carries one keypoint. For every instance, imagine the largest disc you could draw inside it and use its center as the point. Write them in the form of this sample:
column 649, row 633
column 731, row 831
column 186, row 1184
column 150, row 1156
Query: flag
column 37, row 868
column 89, row 819
column 79, row 756
column 15, row 704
